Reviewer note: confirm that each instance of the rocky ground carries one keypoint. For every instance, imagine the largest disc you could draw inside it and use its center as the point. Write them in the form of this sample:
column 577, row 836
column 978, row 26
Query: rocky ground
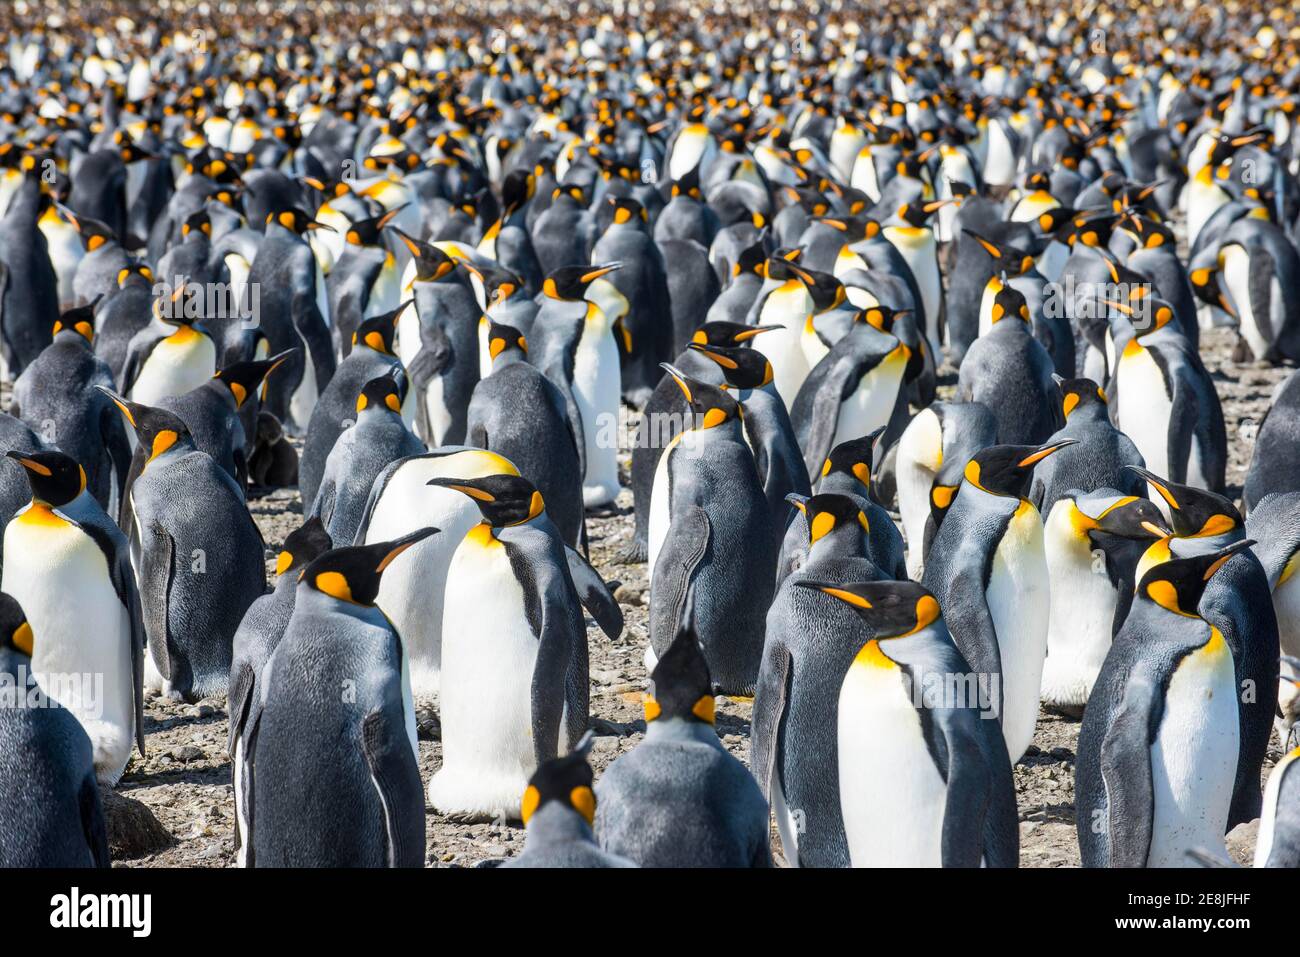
column 185, row 779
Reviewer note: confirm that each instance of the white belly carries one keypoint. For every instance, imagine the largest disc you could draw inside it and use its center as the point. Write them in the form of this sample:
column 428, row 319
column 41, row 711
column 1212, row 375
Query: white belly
column 872, row 403
column 436, row 411
column 1194, row 758
column 891, row 794
column 488, row 656
column 408, row 336
column 918, row 249
column 1145, row 409
column 303, row 401
column 1018, row 600
column 1268, row 819
column 1286, row 602
column 597, row 389
column 1081, row 611
column 920, row 454
column 1000, row 167
column 174, row 369
column 1236, row 276
column 82, row 631
column 660, row 514
column 239, row 269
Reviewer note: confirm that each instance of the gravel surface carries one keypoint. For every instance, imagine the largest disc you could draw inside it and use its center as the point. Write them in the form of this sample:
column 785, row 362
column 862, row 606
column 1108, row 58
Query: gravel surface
column 186, row 778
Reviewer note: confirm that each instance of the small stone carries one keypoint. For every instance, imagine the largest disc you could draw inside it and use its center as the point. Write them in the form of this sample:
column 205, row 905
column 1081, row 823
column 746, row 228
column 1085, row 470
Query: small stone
column 187, row 752
column 201, row 711
column 133, row 831
column 629, row 595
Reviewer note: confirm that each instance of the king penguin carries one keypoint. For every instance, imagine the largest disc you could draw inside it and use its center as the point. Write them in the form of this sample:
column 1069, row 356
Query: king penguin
column 170, row 356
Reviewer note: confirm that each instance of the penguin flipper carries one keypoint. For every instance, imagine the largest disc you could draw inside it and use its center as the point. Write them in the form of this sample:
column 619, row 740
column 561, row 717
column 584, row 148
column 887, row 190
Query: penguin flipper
column 840, row 379
column 392, row 766
column 156, row 563
column 239, row 704
column 1126, row 773
column 769, row 705
column 6, row 345
column 684, row 548
column 976, row 824
column 594, row 594
column 93, row 824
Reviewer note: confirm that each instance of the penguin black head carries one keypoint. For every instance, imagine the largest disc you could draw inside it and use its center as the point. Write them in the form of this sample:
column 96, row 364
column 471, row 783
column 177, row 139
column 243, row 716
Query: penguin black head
column 134, row 273
column 431, row 263
column 1055, row 221
column 304, row 545
column 566, row 780
column 881, row 317
column 1131, row 517
column 627, row 210
column 569, row 283
column 854, row 457
column 156, row 429
column 828, row 512
column 752, row 259
column 55, row 479
column 743, row 368
column 198, row 222
column 381, row 392
column 295, row 220
column 1177, row 585
column 1007, row 469
column 95, row 233
column 499, row 283
column 1009, row 303
column 712, row 405
column 893, row 609
column 719, row 332
column 243, row 378
column 1006, row 258
column 1193, row 512
column 517, row 189
column 1146, row 313
column 824, row 289
column 369, row 232
column 854, row 228
column 918, row 214
column 1205, row 284
column 380, row 332
column 680, row 685
column 15, row 632
column 780, row 266
column 501, row 499
column 688, row 184
column 1079, row 394
column 80, row 320
column 503, row 338
column 352, row 574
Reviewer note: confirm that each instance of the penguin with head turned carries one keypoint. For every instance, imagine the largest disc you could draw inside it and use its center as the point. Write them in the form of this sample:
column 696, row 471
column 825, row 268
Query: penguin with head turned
column 949, row 800
column 1160, row 741
column 196, row 552
column 174, row 353
column 372, row 356
column 333, row 773
column 259, row 633
column 378, row 438
column 987, row 567
column 53, row 816
column 514, row 662
column 104, row 259
column 56, row 394
column 558, row 810
column 706, row 502
column 364, row 280
column 679, row 798
column 74, row 569
column 518, row 413
column 126, row 309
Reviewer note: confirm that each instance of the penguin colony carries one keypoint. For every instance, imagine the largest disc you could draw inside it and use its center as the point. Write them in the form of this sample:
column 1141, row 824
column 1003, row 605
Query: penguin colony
column 907, row 302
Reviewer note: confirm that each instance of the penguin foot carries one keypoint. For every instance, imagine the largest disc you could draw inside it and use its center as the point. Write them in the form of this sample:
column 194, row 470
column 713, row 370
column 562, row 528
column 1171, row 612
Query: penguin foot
column 634, row 554
column 472, row 817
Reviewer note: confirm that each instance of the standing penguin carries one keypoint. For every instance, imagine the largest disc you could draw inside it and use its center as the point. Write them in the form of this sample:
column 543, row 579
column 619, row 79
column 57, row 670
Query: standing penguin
column 258, row 635
column 1159, row 744
column 75, row 572
column 197, row 555
column 29, row 289
column 706, row 503
column 379, row 438
column 1278, row 844
column 910, row 233
column 518, row 413
column 679, row 799
column 514, row 648
column 334, row 776
column 56, row 395
column 170, row 356
column 558, row 808
column 576, row 348
column 364, row 281
column 958, row 810
column 53, row 817
column 988, row 570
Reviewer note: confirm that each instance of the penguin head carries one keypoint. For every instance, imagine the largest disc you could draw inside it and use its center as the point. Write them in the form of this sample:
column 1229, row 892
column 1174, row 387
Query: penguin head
column 304, row 545
column 1147, row 313
column 380, row 332
column 198, row 223
column 680, row 685
column 881, row 318
column 55, row 478
column 688, row 184
column 1009, row 303
column 431, row 263
column 499, row 284
column 566, row 781
column 157, row 430
column 627, row 210
column 1124, row 516
column 824, row 289
column 382, row 395
column 1006, row 258
column 828, row 514
column 1079, row 394
column 918, row 214
column 752, row 259
column 505, row 340
column 569, row 283
column 1193, row 512
column 352, row 574
column 743, row 368
column 854, row 228
column 135, row 274
column 854, row 457
column 501, row 499
column 1204, row 276
column 711, row 405
column 369, row 232
column 94, row 233
column 80, row 320
column 295, row 220
column 1227, row 144
column 1007, row 469
column 893, row 609
column 15, row 632
column 719, row 332
column 1177, row 585
column 244, row 378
